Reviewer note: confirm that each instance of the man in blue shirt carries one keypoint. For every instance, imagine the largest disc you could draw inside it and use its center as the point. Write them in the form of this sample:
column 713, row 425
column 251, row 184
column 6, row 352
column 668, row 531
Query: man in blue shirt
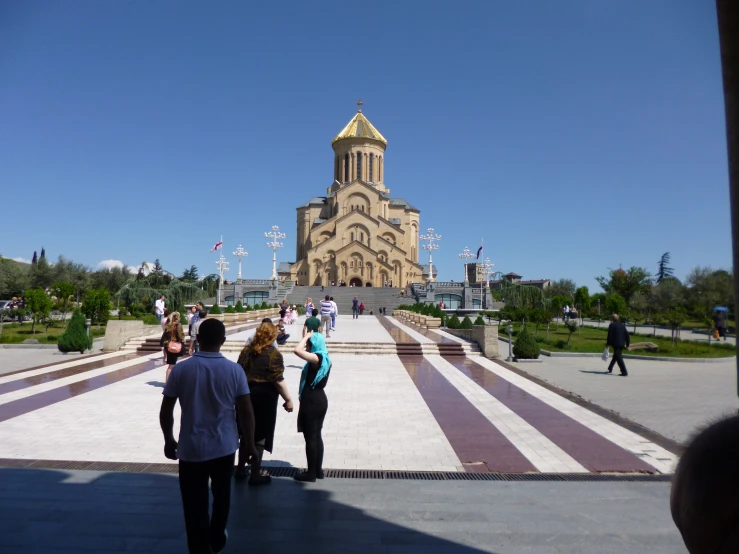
column 209, row 388
column 355, row 308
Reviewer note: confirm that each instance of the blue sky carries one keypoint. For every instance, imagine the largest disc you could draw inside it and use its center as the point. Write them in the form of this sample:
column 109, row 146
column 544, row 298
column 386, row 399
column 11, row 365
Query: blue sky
column 572, row 136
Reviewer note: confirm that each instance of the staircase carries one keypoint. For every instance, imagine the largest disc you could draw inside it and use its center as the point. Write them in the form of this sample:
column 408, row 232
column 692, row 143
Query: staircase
column 373, row 298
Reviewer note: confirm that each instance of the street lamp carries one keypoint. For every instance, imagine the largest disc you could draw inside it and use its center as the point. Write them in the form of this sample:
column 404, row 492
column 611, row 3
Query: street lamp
column 510, row 343
column 430, row 237
column 222, row 266
column 240, row 253
column 274, row 244
column 466, row 255
column 487, row 267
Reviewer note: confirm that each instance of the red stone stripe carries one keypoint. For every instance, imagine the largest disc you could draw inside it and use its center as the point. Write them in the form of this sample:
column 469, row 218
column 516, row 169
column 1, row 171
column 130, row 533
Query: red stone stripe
column 474, row 439
column 26, row 382
column 43, row 399
column 590, row 449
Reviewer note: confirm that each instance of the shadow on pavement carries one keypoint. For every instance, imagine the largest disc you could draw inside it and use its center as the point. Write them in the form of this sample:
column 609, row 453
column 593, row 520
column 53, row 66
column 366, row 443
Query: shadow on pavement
column 45, row 511
column 603, row 372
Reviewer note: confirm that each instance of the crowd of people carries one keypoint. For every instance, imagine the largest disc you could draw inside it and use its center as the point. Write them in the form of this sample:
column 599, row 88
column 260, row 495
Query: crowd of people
column 229, row 407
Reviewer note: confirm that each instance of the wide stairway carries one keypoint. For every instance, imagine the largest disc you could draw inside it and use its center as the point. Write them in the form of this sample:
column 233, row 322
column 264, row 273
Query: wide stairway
column 373, row 298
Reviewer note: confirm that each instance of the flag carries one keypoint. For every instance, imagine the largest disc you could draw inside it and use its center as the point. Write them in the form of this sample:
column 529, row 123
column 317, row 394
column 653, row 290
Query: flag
column 218, row 246
column 478, row 252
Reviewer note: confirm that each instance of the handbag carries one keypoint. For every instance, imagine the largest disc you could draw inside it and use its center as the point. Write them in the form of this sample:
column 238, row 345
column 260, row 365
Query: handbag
column 174, row 346
column 604, row 357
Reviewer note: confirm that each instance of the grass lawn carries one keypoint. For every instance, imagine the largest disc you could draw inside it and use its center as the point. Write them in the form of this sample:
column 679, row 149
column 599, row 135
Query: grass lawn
column 594, row 340
column 12, row 333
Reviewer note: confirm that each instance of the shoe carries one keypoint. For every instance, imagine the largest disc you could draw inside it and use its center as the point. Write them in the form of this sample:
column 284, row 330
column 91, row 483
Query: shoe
column 261, row 479
column 623, row 374
column 321, row 475
column 305, row 477
column 610, row 371
column 240, row 473
column 225, row 532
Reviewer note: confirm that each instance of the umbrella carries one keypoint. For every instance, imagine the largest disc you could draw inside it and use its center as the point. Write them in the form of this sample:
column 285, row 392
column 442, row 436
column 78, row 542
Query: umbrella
column 720, row 309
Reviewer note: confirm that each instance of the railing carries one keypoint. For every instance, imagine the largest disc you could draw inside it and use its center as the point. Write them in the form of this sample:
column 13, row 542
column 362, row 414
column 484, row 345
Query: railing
column 255, row 281
column 449, row 285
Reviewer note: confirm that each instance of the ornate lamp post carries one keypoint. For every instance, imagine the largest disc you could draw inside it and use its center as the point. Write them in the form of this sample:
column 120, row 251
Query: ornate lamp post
column 430, row 237
column 222, row 266
column 274, row 244
column 488, row 269
column 510, row 343
column 466, row 255
column 240, row 253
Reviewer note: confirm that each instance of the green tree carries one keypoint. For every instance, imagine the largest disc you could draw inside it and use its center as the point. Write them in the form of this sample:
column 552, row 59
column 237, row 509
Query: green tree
column 663, row 268
column 526, row 346
column 96, row 306
column 615, row 304
column 562, row 287
column 675, row 318
column 625, row 283
column 668, row 294
column 479, row 321
column 466, row 323
column 707, row 288
column 556, row 304
column 638, row 307
column 582, row 300
column 190, row 274
column 75, row 338
column 40, row 274
column 38, row 304
column 539, row 316
column 13, row 279
column 64, row 293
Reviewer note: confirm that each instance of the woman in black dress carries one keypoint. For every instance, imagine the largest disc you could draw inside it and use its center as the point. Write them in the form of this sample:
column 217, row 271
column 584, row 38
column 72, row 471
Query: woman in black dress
column 313, row 401
column 264, row 368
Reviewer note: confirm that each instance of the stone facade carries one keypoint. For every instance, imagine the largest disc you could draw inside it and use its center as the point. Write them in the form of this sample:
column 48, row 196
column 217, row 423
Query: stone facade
column 357, row 234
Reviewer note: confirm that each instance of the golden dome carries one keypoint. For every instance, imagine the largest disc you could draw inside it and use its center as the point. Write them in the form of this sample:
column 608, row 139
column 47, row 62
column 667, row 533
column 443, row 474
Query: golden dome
column 360, row 127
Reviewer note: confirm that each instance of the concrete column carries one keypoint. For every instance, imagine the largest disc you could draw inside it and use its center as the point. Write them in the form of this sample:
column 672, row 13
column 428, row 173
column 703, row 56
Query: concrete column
column 728, row 30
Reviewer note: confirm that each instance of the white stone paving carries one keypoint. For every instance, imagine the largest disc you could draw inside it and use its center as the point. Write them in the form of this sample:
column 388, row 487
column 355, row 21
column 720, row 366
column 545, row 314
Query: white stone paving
column 654, row 455
column 377, row 419
column 365, row 329
column 546, row 456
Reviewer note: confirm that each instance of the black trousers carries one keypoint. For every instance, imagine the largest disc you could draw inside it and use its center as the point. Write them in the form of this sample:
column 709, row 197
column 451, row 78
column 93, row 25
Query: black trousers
column 204, row 532
column 618, row 359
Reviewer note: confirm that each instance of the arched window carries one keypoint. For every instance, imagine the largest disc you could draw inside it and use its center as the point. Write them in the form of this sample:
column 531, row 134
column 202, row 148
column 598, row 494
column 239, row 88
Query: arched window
column 346, row 167
column 352, row 238
column 371, row 167
column 359, row 165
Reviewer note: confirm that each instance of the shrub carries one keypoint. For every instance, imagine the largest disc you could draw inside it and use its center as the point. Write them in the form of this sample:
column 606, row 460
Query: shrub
column 466, row 323
column 75, row 338
column 150, row 319
column 264, row 306
column 239, row 308
column 479, row 321
column 301, row 310
column 230, row 310
column 248, row 308
column 525, row 346
column 215, row 310
column 96, row 305
column 453, row 322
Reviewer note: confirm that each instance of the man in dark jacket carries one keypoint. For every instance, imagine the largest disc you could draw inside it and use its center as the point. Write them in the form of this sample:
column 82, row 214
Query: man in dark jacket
column 618, row 338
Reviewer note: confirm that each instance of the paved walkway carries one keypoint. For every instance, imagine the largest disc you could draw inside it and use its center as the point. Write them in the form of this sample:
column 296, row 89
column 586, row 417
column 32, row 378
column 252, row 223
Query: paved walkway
column 386, row 412
column 44, row 511
column 672, row 398
column 685, row 334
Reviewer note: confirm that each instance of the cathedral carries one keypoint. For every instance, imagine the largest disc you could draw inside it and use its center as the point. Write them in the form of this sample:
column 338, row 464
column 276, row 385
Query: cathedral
column 357, row 234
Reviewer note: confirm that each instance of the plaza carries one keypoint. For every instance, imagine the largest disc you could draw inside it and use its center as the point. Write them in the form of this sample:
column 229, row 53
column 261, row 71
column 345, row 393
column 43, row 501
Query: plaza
column 87, row 426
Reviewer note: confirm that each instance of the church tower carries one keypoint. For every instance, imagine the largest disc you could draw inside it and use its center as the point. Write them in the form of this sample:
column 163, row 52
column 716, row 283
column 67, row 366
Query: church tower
column 357, row 234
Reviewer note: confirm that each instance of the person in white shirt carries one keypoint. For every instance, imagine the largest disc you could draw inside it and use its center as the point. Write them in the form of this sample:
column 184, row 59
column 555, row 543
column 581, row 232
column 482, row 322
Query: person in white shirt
column 159, row 308
column 334, row 313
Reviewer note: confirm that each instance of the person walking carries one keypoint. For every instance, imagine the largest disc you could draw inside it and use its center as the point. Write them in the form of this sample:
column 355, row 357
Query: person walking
column 173, row 342
column 194, row 327
column 159, row 308
column 209, row 388
column 355, row 308
column 720, row 323
column 312, row 324
column 264, row 368
column 618, row 338
column 334, row 313
column 326, row 316
column 313, row 401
